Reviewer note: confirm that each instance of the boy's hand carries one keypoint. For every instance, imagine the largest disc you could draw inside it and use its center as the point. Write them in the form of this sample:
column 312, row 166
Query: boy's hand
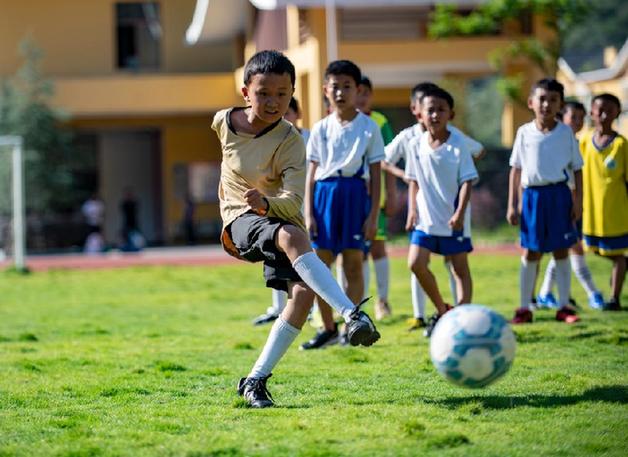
column 410, row 221
column 256, row 200
column 369, row 228
column 457, row 221
column 512, row 215
column 576, row 211
column 312, row 228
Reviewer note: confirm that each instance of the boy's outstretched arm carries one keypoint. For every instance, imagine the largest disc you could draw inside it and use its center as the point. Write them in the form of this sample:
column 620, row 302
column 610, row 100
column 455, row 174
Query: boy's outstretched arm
column 310, row 221
column 514, row 182
column 411, row 220
column 576, row 211
column 457, row 220
column 394, row 170
column 370, row 225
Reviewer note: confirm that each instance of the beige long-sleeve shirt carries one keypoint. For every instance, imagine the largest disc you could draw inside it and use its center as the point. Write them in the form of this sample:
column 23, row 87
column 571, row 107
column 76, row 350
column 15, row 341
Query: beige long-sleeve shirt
column 272, row 162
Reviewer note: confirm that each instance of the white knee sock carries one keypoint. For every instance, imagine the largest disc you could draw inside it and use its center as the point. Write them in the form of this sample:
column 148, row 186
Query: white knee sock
column 279, row 340
column 418, row 297
column 366, row 273
column 382, row 274
column 452, row 283
column 280, row 298
column 319, row 278
column 550, row 277
column 527, row 279
column 582, row 272
column 341, row 278
column 563, row 281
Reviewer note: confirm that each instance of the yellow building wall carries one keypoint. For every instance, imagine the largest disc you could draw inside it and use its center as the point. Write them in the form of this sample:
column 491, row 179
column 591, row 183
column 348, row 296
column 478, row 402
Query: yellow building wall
column 184, row 139
column 78, row 37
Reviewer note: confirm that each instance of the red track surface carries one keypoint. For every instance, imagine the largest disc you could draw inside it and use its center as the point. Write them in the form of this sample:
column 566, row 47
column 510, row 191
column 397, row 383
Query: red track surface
column 200, row 255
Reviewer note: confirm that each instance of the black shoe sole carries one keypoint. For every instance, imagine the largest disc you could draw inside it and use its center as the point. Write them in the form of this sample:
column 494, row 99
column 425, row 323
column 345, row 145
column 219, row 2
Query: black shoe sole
column 364, row 337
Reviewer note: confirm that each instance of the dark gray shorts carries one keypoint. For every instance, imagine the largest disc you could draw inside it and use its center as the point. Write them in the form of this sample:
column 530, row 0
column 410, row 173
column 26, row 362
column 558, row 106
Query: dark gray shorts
column 254, row 238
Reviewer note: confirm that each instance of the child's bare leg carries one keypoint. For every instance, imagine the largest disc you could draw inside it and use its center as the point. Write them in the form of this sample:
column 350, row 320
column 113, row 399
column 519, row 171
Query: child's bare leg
column 327, row 314
column 418, row 260
column 352, row 262
column 618, row 275
column 299, row 305
column 462, row 274
column 453, row 283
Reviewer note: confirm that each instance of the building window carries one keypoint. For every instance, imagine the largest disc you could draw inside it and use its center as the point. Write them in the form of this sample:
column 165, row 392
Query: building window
column 138, row 34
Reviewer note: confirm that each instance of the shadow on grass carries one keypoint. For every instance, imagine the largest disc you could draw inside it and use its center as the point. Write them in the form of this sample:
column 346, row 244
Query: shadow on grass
column 609, row 394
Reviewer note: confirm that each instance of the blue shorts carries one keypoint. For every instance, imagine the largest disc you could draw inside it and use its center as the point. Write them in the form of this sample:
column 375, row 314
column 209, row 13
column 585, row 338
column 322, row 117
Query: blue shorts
column 443, row 245
column 546, row 223
column 607, row 245
column 341, row 206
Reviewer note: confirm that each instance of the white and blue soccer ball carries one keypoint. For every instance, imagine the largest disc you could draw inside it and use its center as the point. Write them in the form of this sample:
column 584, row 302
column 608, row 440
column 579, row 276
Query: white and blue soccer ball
column 472, row 346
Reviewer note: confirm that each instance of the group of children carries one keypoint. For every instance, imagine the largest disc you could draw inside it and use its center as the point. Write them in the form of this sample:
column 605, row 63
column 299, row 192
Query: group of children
column 298, row 209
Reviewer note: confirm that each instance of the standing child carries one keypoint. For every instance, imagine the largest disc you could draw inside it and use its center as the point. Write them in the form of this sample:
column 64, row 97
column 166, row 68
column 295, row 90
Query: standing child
column 440, row 169
column 261, row 193
column 605, row 215
column 545, row 150
column 344, row 154
column 399, row 149
column 572, row 116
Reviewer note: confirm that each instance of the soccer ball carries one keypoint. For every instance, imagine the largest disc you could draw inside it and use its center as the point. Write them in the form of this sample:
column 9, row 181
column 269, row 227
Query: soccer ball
column 472, row 346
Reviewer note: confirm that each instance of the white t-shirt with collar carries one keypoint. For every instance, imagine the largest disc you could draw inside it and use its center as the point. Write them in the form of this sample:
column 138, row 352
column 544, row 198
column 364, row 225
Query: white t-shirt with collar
column 440, row 173
column 343, row 150
column 545, row 158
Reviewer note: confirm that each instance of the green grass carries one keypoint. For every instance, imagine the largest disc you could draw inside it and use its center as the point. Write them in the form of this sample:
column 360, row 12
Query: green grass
column 144, row 362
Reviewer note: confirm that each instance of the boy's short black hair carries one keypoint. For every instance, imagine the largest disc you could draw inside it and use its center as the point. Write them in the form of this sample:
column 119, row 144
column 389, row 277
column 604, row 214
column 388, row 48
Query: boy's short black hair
column 344, row 67
column 573, row 105
column 421, row 88
column 438, row 92
column 549, row 84
column 365, row 81
column 265, row 62
column 608, row 98
column 293, row 105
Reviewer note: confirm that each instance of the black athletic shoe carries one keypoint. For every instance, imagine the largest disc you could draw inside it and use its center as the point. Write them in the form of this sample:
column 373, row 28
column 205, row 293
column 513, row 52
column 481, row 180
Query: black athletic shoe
column 322, row 339
column 612, row 305
column 265, row 318
column 431, row 323
column 255, row 392
column 360, row 329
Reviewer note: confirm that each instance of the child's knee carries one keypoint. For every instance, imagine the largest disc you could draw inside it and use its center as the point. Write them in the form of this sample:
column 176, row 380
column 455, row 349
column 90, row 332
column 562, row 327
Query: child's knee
column 289, row 236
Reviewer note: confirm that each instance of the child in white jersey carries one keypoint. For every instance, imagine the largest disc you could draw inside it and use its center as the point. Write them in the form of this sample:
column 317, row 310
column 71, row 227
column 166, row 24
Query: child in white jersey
column 395, row 151
column 343, row 154
column 441, row 170
column 544, row 152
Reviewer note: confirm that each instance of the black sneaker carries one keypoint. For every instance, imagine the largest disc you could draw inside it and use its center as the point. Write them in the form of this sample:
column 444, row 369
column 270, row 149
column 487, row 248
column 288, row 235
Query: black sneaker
column 360, row 329
column 612, row 305
column 322, row 339
column 265, row 318
column 255, row 392
column 431, row 323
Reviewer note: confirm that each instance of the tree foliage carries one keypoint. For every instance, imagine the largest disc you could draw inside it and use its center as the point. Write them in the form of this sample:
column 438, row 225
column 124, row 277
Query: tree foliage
column 25, row 111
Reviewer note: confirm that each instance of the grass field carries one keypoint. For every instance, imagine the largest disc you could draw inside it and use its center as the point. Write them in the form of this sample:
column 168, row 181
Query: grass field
column 144, row 362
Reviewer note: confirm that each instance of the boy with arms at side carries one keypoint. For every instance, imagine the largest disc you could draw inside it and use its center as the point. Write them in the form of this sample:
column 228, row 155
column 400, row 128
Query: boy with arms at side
column 344, row 153
column 605, row 175
column 573, row 117
column 441, row 170
column 399, row 149
column 544, row 151
column 261, row 194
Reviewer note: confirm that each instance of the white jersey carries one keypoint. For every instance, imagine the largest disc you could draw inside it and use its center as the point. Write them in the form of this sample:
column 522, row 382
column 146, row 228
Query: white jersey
column 345, row 150
column 545, row 158
column 397, row 148
column 440, row 173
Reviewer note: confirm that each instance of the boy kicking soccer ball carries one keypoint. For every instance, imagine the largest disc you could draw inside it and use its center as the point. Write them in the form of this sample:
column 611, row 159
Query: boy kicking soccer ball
column 261, row 192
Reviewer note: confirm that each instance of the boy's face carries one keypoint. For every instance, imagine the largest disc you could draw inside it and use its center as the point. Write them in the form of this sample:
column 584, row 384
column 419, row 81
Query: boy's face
column 574, row 118
column 435, row 113
column 341, row 91
column 364, row 98
column 546, row 104
column 604, row 113
column 268, row 95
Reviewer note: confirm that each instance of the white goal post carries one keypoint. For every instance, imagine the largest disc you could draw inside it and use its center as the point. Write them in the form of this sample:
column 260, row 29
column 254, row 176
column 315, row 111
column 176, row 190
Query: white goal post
column 19, row 242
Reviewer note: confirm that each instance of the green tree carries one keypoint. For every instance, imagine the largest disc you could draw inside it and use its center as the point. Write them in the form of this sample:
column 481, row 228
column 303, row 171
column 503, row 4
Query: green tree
column 489, row 17
column 25, row 111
